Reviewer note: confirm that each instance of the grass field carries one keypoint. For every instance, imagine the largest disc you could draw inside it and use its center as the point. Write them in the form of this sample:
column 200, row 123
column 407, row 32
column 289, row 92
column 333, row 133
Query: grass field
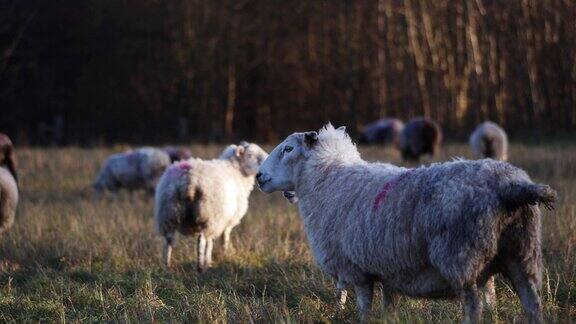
column 71, row 257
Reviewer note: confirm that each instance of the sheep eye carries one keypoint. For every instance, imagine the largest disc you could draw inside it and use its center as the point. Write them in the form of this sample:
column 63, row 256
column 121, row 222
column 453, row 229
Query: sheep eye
column 288, row 149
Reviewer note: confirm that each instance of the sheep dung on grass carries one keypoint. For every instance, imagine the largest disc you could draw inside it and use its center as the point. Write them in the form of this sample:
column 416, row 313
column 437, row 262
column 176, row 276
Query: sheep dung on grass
column 420, row 136
column 133, row 170
column 8, row 183
column 432, row 232
column 382, row 131
column 489, row 141
column 208, row 198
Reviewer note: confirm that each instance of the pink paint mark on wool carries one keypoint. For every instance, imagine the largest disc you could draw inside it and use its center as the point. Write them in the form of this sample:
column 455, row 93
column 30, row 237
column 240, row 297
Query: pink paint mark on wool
column 179, row 168
column 184, row 165
column 388, row 186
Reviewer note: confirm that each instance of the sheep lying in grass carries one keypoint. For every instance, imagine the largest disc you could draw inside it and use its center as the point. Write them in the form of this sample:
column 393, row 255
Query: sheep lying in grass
column 8, row 184
column 420, row 136
column 132, row 170
column 489, row 141
column 435, row 232
column 208, row 198
column 382, row 131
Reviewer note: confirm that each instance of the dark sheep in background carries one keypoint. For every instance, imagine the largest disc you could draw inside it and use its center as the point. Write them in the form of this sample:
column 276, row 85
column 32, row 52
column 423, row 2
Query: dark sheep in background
column 420, row 136
column 382, row 131
column 178, row 153
column 489, row 141
column 8, row 183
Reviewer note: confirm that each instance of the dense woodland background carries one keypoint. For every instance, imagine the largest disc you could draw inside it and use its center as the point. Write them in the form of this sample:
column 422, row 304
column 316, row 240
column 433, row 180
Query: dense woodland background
column 102, row 71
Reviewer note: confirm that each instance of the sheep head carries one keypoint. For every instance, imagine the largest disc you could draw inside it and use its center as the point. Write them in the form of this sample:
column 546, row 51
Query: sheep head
column 250, row 157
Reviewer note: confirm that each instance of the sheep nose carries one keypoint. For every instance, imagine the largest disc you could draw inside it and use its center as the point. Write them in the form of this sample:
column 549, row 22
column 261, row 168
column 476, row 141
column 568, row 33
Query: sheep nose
column 258, row 175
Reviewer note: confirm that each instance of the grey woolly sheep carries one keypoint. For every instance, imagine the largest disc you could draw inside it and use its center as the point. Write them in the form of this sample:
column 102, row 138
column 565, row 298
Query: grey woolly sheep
column 208, row 198
column 489, row 141
column 382, row 131
column 132, row 170
column 431, row 232
column 8, row 183
column 420, row 136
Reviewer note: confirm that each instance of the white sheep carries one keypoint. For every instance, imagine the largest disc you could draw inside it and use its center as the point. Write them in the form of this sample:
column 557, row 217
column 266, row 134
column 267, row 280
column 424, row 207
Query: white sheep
column 8, row 184
column 132, row 170
column 431, row 232
column 489, row 140
column 206, row 197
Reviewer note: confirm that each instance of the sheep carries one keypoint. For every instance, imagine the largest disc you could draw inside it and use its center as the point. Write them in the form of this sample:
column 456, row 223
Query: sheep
column 8, row 184
column 132, row 170
column 420, row 136
column 489, row 141
column 382, row 131
column 206, row 197
column 431, row 232
column 177, row 153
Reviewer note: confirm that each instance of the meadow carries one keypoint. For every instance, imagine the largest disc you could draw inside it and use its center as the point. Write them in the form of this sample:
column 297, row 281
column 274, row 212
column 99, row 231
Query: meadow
column 73, row 258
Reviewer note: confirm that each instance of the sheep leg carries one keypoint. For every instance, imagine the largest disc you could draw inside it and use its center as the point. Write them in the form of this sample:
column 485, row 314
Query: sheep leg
column 489, row 291
column 227, row 245
column 526, row 288
column 201, row 252
column 208, row 256
column 472, row 305
column 364, row 295
column 389, row 300
column 341, row 294
column 167, row 253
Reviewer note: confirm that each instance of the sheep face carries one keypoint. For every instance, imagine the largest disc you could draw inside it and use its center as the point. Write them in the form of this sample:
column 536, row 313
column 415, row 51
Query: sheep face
column 279, row 170
column 250, row 157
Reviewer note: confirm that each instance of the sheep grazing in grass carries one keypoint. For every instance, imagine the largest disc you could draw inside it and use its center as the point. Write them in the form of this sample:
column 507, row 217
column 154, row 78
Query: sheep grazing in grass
column 208, row 198
column 382, row 131
column 489, row 141
column 178, row 153
column 420, row 136
column 431, row 232
column 133, row 170
column 8, row 183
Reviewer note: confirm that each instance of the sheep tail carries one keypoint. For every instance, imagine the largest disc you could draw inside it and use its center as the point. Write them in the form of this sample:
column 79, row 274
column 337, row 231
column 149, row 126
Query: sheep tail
column 519, row 194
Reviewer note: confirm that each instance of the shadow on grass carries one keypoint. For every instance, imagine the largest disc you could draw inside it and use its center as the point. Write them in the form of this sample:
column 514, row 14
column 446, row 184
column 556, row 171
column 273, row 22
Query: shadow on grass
column 279, row 281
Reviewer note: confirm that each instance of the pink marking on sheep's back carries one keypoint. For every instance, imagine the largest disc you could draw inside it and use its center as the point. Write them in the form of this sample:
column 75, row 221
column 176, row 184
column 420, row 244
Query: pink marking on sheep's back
column 179, row 168
column 184, row 165
column 388, row 186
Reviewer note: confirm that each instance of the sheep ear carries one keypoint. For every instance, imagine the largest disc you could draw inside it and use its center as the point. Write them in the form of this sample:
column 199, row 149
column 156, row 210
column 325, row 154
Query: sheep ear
column 239, row 150
column 310, row 138
column 342, row 129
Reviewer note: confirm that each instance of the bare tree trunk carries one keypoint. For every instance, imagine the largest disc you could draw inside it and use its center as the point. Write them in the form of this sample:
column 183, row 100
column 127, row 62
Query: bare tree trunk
column 382, row 87
column 418, row 57
column 231, row 97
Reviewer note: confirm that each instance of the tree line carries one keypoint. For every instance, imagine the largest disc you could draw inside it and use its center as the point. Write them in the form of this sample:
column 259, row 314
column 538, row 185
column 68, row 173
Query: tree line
column 192, row 70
